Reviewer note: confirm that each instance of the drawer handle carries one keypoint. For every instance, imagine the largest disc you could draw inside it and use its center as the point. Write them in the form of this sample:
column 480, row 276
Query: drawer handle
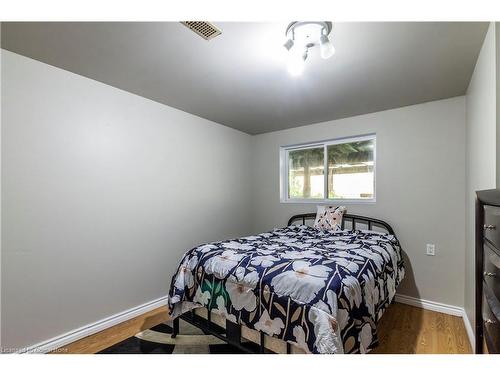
column 489, row 321
column 489, row 274
column 489, row 226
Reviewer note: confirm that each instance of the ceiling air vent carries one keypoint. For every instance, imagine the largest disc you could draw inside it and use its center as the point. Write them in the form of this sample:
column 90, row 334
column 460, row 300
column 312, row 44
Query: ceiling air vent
column 204, row 29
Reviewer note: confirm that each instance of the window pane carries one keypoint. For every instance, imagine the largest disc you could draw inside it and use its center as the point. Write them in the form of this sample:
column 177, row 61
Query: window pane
column 350, row 170
column 306, row 173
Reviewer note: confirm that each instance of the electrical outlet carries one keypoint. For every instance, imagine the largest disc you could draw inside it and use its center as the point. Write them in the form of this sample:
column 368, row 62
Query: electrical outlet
column 431, row 249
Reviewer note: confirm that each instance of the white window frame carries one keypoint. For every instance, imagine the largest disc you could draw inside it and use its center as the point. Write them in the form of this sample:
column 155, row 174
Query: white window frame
column 284, row 151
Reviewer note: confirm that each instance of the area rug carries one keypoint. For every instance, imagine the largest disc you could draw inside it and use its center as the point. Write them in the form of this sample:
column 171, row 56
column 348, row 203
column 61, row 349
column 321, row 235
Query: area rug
column 190, row 340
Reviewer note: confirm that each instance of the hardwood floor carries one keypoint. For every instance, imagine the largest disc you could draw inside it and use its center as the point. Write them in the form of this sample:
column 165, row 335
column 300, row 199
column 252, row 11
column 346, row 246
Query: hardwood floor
column 115, row 334
column 405, row 329
column 402, row 330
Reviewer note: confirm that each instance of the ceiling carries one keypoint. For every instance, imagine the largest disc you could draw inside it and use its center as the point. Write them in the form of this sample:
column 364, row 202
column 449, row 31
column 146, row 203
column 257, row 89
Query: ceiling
column 240, row 79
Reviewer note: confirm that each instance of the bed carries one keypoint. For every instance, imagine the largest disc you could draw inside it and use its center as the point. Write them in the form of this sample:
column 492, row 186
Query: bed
column 294, row 289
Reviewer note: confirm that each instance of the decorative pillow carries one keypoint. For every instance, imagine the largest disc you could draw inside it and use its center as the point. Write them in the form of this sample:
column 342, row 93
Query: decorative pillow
column 329, row 218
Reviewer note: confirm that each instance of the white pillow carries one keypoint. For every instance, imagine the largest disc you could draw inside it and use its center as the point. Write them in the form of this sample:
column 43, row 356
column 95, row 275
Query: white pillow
column 329, row 218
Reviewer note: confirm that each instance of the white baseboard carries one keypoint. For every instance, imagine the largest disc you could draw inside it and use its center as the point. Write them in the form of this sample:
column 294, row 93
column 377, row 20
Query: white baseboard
column 470, row 332
column 430, row 305
column 90, row 329
column 442, row 308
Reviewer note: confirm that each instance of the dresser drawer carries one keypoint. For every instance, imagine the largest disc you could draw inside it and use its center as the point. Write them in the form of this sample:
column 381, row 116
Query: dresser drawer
column 492, row 225
column 491, row 269
column 491, row 320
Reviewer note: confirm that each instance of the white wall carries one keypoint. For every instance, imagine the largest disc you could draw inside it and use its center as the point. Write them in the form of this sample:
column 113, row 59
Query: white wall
column 103, row 191
column 481, row 149
column 420, row 187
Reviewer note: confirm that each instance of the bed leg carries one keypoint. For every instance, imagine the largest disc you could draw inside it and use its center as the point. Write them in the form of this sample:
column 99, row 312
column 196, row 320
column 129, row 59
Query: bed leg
column 233, row 333
column 262, row 343
column 209, row 319
column 175, row 328
column 288, row 348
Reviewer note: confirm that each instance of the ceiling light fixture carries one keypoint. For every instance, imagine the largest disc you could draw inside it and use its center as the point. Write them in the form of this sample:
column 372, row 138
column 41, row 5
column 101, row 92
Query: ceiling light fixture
column 304, row 35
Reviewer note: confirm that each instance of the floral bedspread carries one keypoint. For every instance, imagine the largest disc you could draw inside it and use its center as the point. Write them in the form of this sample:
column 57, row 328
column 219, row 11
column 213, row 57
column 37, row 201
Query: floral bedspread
column 322, row 291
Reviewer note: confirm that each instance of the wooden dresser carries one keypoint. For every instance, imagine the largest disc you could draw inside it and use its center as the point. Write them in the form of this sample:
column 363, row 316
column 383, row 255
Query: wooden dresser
column 488, row 271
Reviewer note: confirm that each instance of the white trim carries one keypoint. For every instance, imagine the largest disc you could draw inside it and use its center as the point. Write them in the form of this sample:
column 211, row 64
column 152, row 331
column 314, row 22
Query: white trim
column 430, row 305
column 283, row 173
column 335, row 202
column 92, row 328
column 470, row 332
column 442, row 308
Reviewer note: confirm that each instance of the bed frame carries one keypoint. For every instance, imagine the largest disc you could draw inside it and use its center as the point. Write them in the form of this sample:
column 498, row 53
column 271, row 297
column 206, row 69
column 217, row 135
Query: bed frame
column 353, row 219
column 255, row 341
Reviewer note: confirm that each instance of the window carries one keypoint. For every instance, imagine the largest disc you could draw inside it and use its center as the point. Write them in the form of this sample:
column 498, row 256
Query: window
column 306, row 173
column 336, row 170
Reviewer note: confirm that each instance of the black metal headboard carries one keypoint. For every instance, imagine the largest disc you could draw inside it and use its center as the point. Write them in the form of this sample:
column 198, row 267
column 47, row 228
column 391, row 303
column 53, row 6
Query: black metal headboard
column 369, row 221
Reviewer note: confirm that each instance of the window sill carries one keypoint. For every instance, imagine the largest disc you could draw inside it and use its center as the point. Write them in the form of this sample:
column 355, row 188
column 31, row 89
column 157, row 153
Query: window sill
column 331, row 202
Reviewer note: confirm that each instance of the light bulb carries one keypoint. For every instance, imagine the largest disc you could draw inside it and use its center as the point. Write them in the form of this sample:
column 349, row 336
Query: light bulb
column 288, row 44
column 326, row 47
column 296, row 62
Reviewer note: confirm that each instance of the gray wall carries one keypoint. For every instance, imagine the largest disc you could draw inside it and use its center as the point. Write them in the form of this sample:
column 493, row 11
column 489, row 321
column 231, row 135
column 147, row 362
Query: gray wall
column 480, row 149
column 103, row 191
column 420, row 187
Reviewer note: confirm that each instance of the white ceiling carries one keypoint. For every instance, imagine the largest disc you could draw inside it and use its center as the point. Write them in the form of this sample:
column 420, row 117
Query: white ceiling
column 240, row 79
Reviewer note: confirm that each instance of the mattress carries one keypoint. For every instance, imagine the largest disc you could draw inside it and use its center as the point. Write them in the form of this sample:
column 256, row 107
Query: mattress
column 322, row 291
